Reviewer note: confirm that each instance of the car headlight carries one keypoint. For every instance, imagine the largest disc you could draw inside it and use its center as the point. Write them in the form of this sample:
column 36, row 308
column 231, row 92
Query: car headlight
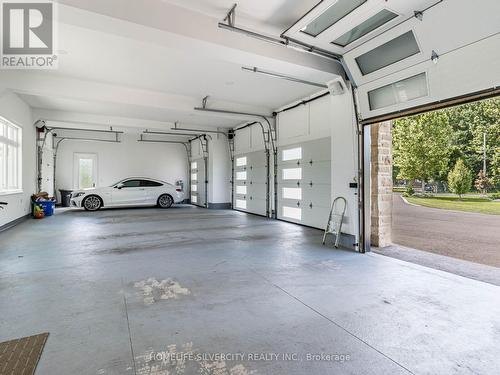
column 76, row 195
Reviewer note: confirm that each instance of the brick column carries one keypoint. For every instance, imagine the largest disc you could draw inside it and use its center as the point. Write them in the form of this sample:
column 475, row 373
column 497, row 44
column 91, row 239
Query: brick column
column 381, row 184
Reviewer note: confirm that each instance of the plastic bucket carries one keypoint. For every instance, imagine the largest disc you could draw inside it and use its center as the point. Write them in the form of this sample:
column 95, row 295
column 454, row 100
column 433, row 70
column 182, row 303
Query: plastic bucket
column 47, row 207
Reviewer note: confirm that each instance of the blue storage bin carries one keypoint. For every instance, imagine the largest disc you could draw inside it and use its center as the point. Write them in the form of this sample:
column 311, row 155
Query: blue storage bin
column 47, row 207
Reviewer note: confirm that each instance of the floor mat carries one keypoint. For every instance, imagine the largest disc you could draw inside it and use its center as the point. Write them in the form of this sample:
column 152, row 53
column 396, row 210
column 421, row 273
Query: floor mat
column 21, row 356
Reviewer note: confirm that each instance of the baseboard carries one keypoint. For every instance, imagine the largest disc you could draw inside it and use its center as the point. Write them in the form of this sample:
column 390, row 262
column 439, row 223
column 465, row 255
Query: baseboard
column 219, row 206
column 13, row 223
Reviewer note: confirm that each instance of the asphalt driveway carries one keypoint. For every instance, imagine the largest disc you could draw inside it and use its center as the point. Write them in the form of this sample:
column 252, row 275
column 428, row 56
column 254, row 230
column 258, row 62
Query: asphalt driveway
column 463, row 235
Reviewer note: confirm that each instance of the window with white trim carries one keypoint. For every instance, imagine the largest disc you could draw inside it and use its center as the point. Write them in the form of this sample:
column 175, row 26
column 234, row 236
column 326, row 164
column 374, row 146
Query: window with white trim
column 10, row 157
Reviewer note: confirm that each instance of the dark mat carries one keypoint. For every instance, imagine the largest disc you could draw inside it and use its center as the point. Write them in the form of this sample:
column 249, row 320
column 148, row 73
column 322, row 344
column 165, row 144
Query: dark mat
column 21, row 356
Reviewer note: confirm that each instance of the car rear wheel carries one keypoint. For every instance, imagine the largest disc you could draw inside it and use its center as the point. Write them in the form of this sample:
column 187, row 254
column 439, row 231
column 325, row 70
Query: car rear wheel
column 165, row 201
column 92, row 203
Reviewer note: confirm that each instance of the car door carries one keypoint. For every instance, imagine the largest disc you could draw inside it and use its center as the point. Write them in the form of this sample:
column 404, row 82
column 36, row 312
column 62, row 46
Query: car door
column 151, row 191
column 129, row 192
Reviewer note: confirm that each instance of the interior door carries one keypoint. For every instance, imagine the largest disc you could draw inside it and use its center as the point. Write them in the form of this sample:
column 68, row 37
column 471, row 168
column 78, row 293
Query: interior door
column 129, row 192
column 85, row 171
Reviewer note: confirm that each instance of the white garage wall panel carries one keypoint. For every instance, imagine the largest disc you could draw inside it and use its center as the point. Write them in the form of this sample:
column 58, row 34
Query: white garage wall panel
column 167, row 162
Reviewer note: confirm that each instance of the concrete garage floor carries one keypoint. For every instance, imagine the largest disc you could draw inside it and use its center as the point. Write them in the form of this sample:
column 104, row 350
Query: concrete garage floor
column 245, row 285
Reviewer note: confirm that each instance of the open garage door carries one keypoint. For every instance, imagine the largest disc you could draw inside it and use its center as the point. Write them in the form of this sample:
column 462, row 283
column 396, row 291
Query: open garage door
column 251, row 171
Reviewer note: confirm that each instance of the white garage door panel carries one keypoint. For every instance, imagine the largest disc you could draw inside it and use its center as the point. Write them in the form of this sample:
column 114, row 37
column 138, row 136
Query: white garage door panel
column 316, row 217
column 317, row 173
column 255, row 182
column 318, row 195
column 314, row 184
column 257, row 175
column 198, row 196
column 257, row 206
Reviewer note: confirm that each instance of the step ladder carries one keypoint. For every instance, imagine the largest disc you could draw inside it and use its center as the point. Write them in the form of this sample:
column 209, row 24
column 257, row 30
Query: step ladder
column 335, row 220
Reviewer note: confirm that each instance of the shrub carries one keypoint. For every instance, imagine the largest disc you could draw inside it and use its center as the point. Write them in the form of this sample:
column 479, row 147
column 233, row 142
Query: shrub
column 482, row 183
column 409, row 191
column 459, row 178
column 494, row 195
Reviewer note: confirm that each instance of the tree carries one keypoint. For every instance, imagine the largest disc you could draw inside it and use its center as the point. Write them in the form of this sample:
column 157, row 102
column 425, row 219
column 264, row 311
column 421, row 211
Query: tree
column 460, row 178
column 422, row 146
column 482, row 183
column 470, row 122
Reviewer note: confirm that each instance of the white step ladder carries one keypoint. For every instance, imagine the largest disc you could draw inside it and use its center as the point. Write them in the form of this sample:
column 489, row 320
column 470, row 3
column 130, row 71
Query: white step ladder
column 335, row 220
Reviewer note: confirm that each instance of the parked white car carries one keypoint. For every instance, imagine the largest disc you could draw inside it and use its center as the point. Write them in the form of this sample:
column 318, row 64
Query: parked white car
column 133, row 191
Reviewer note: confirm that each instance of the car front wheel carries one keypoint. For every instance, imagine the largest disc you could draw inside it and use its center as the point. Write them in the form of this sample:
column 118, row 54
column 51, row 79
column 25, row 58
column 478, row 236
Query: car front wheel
column 92, row 203
column 165, row 201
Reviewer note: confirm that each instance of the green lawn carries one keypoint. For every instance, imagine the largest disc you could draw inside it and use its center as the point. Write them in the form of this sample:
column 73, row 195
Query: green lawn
column 467, row 204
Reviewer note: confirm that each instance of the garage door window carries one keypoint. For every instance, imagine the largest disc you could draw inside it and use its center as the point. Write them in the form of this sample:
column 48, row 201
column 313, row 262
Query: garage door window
column 10, row 157
column 194, row 176
column 240, row 162
column 292, row 213
column 194, row 199
column 194, row 188
column 194, row 165
column 292, row 193
column 292, row 174
column 241, row 176
column 292, row 154
column 241, row 190
column 240, row 203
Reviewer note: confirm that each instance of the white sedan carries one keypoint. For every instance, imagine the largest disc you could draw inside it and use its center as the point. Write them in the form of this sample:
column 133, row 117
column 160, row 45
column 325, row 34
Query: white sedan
column 134, row 191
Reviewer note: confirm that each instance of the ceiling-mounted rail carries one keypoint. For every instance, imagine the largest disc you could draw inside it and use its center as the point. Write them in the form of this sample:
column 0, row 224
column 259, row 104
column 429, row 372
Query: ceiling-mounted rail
column 283, row 76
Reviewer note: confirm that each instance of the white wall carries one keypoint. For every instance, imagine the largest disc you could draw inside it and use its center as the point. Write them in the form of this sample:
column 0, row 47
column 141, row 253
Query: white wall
column 167, row 162
column 17, row 111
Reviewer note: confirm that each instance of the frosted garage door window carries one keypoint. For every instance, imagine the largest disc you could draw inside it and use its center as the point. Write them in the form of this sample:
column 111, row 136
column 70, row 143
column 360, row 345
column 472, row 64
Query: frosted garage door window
column 331, row 16
column 292, row 213
column 388, row 53
column 241, row 190
column 194, row 187
column 240, row 162
column 398, row 92
column 241, row 175
column 240, row 203
column 292, row 154
column 194, row 165
column 292, row 193
column 292, row 174
column 194, row 177
column 194, row 199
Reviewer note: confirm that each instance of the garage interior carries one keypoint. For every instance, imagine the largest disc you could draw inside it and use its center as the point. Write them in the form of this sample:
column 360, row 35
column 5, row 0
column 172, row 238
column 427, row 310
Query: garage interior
column 262, row 113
